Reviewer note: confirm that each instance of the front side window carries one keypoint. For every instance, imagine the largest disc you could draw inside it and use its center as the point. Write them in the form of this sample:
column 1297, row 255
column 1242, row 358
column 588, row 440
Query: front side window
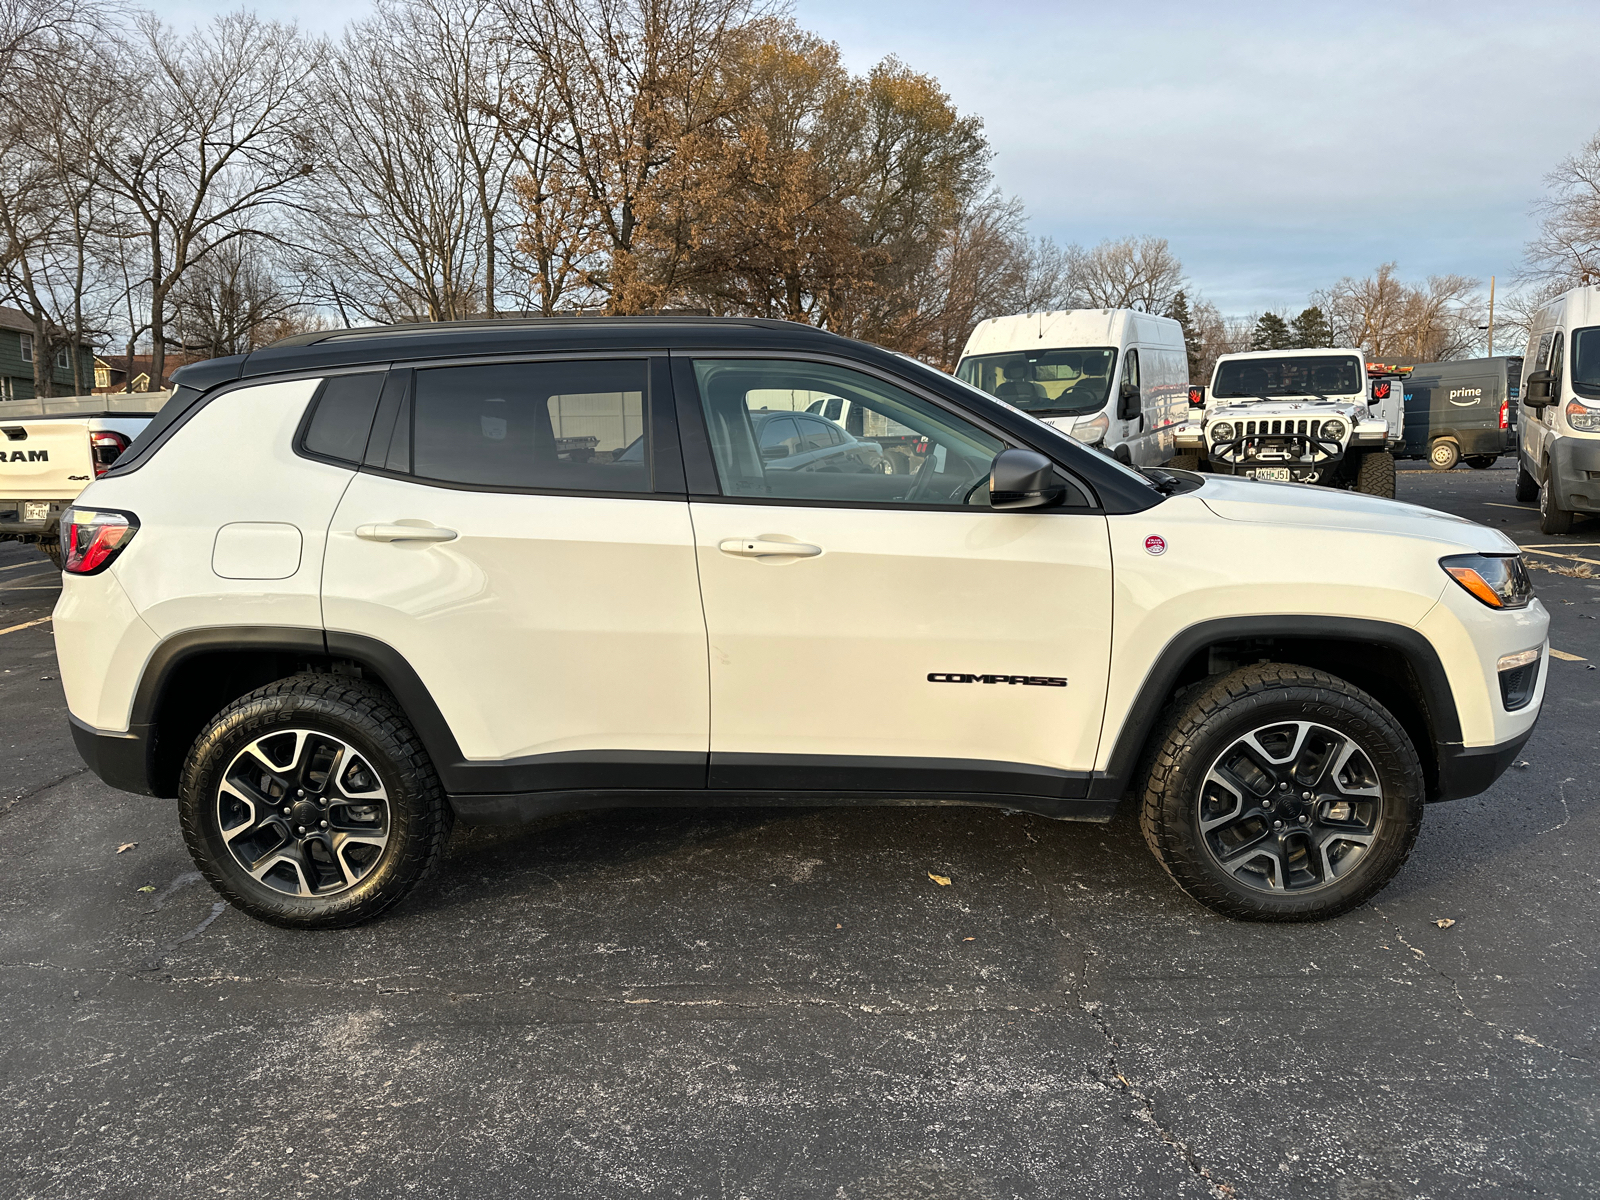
column 886, row 446
column 1586, row 361
column 1296, row 375
column 564, row 426
column 1044, row 382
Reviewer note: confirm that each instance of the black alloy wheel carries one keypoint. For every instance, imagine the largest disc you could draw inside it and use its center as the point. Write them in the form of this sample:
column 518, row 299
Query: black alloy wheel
column 311, row 803
column 1281, row 793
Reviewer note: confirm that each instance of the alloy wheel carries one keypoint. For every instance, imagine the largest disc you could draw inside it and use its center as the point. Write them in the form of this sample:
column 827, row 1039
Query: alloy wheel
column 303, row 812
column 1290, row 807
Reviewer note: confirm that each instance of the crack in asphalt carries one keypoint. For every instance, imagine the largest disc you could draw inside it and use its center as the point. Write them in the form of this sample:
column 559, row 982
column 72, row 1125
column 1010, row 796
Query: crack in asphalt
column 43, row 787
column 1461, row 1001
column 1146, row 1108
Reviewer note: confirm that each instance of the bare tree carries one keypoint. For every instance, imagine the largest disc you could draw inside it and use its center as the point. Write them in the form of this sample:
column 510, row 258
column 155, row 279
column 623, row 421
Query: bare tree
column 1132, row 272
column 1387, row 317
column 208, row 134
column 231, row 302
column 1567, row 249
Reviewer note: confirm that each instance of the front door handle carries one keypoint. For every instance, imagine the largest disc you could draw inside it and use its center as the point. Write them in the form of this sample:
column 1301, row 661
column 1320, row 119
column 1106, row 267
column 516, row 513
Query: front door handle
column 767, row 548
column 405, row 533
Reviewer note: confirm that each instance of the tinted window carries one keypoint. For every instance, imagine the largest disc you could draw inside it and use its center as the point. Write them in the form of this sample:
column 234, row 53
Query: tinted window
column 572, row 426
column 911, row 451
column 1586, row 361
column 342, row 418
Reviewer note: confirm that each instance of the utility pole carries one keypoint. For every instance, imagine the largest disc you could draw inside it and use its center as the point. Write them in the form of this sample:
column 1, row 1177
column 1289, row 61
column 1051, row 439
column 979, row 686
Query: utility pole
column 1491, row 316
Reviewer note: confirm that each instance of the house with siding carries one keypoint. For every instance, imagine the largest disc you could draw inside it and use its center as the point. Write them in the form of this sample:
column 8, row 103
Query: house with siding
column 17, row 352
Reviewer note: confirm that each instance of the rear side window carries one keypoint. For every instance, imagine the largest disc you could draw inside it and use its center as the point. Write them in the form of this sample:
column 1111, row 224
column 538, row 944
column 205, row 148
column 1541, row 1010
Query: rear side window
column 341, row 417
column 567, row 426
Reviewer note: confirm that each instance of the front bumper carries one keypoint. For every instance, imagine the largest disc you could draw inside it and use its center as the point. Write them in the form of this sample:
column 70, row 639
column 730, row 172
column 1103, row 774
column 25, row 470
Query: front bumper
column 1468, row 770
column 1575, row 472
column 121, row 760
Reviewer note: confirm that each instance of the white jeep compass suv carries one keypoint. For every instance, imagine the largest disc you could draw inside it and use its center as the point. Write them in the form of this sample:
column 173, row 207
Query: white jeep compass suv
column 356, row 586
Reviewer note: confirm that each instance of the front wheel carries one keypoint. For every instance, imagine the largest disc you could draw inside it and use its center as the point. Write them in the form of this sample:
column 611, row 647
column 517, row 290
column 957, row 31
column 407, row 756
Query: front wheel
column 1281, row 793
column 310, row 803
column 1552, row 517
column 1480, row 462
column 1375, row 474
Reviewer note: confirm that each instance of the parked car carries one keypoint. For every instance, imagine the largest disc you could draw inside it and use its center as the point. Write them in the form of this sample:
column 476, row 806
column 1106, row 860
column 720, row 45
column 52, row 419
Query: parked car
column 1558, row 452
column 1466, row 409
column 353, row 590
column 1297, row 416
column 54, row 446
column 801, row 441
column 1111, row 377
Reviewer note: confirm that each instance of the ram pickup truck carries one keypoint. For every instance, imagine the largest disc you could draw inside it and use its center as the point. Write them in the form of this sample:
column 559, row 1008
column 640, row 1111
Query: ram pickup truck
column 55, row 447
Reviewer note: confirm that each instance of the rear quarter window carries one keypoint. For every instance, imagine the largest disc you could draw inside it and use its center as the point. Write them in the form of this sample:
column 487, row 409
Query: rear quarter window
column 341, row 417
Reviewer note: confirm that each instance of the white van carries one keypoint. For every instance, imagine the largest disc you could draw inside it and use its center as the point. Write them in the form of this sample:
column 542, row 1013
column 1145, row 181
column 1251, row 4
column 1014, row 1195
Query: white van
column 1558, row 455
column 1110, row 377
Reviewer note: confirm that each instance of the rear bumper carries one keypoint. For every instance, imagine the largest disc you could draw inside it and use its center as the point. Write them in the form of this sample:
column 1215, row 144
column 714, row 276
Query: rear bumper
column 14, row 521
column 122, row 760
column 1469, row 770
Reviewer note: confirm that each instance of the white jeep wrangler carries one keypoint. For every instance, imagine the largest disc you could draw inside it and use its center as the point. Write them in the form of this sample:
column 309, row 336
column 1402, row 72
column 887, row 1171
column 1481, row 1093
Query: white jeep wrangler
column 1296, row 416
column 361, row 584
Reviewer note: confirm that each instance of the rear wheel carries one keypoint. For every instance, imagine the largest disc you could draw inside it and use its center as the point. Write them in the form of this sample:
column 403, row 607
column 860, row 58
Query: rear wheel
column 52, row 551
column 1375, row 474
column 1552, row 517
column 1527, row 486
column 311, row 804
column 1280, row 793
column 1443, row 455
column 1480, row 462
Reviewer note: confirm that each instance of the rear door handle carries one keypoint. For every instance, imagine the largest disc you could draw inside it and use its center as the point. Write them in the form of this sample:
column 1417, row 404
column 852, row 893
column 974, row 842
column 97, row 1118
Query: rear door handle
column 405, row 533
column 767, row 548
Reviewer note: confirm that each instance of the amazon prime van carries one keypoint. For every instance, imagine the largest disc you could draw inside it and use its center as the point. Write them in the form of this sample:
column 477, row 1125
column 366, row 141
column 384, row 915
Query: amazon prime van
column 1462, row 410
column 1111, row 377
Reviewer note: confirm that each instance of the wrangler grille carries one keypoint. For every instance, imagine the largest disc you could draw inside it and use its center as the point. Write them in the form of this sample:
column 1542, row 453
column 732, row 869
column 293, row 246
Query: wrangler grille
column 1280, row 427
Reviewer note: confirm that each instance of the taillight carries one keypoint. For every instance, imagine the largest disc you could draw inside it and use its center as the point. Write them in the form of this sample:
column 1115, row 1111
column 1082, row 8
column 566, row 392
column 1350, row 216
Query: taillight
column 1505, row 422
column 105, row 448
column 92, row 537
column 1380, row 391
column 1197, row 397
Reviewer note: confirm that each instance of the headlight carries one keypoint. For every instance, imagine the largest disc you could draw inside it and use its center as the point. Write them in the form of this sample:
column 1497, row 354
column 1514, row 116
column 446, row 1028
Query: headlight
column 1333, row 429
column 1091, row 429
column 1222, row 431
column 1499, row 580
column 1583, row 418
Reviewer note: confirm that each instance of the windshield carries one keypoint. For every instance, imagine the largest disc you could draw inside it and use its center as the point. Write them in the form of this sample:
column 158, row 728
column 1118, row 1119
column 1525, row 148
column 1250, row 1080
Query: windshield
column 1301, row 375
column 1586, row 361
column 1054, row 382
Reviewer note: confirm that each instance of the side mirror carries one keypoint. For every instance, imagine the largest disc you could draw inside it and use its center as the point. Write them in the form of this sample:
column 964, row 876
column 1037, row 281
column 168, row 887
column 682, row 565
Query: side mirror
column 775, row 451
column 1197, row 395
column 1536, row 389
column 1128, row 402
column 1023, row 479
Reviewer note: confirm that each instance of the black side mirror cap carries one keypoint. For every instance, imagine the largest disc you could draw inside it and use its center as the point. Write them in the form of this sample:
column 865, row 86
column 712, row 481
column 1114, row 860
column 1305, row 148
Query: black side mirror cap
column 1023, row 479
column 1197, row 395
column 1536, row 389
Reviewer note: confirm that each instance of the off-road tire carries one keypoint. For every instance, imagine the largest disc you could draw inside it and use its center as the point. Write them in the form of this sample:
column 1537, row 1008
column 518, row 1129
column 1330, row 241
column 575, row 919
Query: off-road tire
column 1375, row 474
column 1202, row 723
column 368, row 719
column 1184, row 462
column 52, row 551
column 1443, row 454
column 1552, row 517
column 1527, row 486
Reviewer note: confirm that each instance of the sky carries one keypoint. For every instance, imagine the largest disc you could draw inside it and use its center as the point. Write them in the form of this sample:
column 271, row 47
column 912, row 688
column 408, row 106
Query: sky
column 1277, row 146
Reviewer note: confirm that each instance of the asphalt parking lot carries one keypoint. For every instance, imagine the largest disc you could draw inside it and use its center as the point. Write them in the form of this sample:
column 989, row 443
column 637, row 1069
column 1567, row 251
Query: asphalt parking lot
column 744, row 1003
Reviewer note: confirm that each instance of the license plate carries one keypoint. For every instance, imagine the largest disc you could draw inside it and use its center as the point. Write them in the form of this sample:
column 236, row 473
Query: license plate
column 1281, row 474
column 35, row 510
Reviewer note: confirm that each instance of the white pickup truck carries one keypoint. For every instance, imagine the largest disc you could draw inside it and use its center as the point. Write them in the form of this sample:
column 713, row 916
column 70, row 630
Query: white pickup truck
column 1297, row 416
column 51, row 449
